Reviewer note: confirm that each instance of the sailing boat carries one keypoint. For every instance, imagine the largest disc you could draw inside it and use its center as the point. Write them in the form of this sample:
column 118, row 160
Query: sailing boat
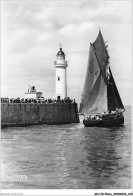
column 101, row 104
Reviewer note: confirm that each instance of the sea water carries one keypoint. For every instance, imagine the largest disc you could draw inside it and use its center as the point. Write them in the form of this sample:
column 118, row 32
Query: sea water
column 66, row 157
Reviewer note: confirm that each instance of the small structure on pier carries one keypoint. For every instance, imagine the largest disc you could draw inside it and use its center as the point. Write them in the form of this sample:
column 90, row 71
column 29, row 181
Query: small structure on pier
column 32, row 93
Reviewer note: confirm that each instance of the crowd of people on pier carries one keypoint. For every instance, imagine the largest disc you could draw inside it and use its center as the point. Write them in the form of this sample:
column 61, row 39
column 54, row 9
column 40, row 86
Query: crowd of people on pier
column 37, row 100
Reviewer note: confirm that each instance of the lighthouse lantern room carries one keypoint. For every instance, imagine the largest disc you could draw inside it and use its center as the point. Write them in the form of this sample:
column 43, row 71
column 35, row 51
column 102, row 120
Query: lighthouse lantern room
column 61, row 78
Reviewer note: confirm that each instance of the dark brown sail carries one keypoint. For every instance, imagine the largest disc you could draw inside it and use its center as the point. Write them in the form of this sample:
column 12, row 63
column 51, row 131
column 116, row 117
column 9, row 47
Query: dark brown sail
column 94, row 98
column 101, row 53
column 113, row 97
column 114, row 100
column 100, row 92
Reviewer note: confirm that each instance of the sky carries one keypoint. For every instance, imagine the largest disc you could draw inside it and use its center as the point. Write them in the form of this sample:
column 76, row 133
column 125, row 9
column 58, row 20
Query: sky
column 32, row 30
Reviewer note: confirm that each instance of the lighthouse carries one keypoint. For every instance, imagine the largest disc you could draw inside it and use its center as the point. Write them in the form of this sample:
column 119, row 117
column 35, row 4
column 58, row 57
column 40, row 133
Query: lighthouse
column 61, row 78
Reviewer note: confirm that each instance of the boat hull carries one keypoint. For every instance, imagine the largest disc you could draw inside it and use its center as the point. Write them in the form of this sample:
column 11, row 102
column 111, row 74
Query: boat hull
column 105, row 122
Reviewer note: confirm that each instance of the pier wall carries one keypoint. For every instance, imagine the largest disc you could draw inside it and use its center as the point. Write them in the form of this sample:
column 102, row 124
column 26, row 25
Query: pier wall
column 25, row 114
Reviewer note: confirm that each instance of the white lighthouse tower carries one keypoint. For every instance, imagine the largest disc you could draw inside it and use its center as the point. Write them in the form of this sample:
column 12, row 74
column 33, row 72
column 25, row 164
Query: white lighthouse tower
column 61, row 78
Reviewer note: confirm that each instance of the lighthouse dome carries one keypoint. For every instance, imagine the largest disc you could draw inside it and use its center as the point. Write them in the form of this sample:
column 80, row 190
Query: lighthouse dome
column 61, row 53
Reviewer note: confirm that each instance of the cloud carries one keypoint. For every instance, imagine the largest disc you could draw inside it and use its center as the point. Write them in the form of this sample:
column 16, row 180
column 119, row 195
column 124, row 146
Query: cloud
column 32, row 30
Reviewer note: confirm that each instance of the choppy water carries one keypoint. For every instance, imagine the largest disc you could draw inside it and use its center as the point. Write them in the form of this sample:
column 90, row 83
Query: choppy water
column 67, row 156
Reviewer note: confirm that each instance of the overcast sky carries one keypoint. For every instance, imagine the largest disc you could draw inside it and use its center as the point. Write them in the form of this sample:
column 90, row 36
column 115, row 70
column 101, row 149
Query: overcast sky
column 31, row 32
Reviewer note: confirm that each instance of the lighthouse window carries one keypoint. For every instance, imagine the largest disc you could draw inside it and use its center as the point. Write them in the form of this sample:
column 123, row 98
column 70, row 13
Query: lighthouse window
column 58, row 78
